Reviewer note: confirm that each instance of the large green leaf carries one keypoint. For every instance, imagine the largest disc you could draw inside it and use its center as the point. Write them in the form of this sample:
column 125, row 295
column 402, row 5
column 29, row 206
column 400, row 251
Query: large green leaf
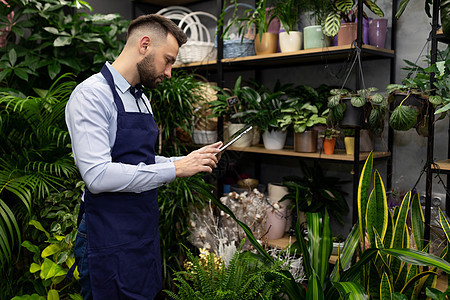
column 332, row 25
column 400, row 223
column 377, row 210
column 445, row 225
column 420, row 258
column 363, row 192
column 351, row 290
column 374, row 8
column 403, row 118
column 50, row 270
column 417, row 222
column 345, row 257
column 314, row 290
column 385, row 288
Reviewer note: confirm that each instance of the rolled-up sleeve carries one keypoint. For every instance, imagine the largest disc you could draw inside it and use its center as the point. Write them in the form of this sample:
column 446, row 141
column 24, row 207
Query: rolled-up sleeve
column 90, row 117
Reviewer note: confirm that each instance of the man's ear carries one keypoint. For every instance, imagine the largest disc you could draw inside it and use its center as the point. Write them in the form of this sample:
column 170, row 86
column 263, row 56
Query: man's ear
column 144, row 44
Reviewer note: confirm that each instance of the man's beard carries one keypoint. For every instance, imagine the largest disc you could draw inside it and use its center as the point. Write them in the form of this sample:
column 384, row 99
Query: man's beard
column 147, row 72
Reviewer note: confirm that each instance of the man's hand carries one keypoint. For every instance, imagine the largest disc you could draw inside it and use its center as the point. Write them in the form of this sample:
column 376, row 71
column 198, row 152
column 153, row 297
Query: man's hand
column 201, row 160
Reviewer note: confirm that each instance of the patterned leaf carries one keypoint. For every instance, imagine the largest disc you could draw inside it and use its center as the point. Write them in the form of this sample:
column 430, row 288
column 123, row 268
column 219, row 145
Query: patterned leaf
column 332, row 24
column 377, row 210
column 403, row 118
column 363, row 191
column 385, row 288
column 417, row 222
column 374, row 8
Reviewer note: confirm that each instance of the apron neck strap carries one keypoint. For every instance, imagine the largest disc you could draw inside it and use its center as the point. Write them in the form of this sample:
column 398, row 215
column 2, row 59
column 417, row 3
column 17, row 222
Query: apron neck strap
column 110, row 80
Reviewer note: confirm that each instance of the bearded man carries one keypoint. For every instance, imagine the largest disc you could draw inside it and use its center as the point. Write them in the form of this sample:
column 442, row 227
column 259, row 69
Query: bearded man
column 113, row 135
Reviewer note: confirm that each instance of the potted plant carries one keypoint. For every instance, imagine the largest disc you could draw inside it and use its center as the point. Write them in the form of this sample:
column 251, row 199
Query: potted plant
column 315, row 192
column 303, row 117
column 411, row 99
column 260, row 18
column 266, row 115
column 349, row 141
column 329, row 136
column 352, row 110
column 236, row 106
column 288, row 12
column 346, row 11
column 313, row 36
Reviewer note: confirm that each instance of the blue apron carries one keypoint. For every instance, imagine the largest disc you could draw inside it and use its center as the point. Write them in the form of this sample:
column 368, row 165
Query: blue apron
column 123, row 238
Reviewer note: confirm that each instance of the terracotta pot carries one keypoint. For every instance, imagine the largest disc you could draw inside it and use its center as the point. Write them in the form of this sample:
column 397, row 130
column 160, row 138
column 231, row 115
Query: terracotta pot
column 305, row 141
column 328, row 145
column 268, row 44
column 347, row 33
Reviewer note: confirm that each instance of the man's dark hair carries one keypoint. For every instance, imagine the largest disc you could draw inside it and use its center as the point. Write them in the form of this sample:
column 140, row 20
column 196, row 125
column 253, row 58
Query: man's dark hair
column 159, row 25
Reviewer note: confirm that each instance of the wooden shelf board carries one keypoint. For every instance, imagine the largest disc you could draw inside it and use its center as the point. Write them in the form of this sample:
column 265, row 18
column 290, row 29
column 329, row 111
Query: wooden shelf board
column 203, row 64
column 289, row 151
column 308, row 55
column 286, row 240
column 441, row 37
column 443, row 165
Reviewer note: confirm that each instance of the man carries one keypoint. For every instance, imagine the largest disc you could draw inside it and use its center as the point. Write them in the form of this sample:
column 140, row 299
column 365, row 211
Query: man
column 113, row 137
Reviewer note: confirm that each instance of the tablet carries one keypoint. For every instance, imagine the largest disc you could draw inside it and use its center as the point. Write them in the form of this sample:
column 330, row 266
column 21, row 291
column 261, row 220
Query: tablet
column 235, row 136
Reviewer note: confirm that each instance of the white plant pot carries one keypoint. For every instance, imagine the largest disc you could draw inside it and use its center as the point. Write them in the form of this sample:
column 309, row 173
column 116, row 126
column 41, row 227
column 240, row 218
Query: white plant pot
column 275, row 139
column 276, row 191
column 245, row 140
column 275, row 223
column 290, row 42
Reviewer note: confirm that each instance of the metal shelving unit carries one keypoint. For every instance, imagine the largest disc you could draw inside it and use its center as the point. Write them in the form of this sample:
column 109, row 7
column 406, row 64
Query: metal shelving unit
column 431, row 166
column 302, row 57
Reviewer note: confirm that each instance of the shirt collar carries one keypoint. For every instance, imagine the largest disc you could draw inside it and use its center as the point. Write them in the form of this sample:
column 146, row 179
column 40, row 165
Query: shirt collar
column 121, row 83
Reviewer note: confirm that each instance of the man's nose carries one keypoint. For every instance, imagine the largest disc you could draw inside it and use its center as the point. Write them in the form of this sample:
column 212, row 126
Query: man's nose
column 168, row 71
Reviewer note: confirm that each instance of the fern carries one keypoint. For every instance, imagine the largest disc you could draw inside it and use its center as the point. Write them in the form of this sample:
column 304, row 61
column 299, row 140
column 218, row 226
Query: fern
column 246, row 277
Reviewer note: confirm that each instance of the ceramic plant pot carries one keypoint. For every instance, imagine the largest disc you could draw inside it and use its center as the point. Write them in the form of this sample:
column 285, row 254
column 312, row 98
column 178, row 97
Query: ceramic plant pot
column 267, row 44
column 275, row 223
column 347, row 33
column 275, row 139
column 377, row 32
column 314, row 38
column 290, row 42
column 328, row 145
column 305, row 141
column 276, row 191
column 349, row 142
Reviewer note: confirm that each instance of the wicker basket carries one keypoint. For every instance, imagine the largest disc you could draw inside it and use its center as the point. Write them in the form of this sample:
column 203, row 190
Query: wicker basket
column 237, row 47
column 177, row 13
column 200, row 47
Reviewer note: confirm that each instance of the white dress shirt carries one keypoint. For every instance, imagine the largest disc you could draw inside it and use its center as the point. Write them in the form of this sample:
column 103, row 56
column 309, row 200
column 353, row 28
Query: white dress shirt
column 91, row 117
